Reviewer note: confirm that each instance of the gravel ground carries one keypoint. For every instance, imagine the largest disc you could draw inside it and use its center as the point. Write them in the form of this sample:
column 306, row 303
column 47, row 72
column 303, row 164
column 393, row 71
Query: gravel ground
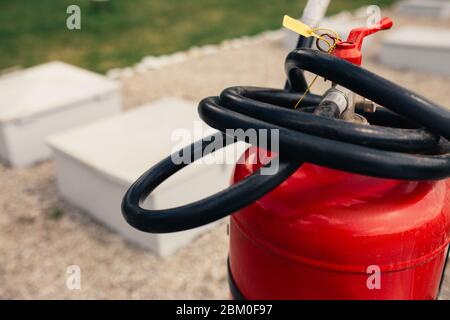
column 41, row 235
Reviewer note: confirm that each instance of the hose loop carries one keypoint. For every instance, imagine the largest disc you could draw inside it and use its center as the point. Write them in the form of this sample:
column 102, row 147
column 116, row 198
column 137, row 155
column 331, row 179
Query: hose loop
column 408, row 139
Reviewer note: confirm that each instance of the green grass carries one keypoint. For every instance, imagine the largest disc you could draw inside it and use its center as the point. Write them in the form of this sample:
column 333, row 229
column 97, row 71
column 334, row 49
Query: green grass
column 34, row 31
column 55, row 213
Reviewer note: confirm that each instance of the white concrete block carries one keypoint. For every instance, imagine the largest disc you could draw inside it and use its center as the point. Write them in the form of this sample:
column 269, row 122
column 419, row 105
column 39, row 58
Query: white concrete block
column 418, row 48
column 47, row 99
column 97, row 163
column 428, row 8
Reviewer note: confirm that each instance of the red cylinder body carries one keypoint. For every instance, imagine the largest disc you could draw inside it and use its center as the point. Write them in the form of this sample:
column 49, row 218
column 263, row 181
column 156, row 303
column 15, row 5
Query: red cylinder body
column 325, row 234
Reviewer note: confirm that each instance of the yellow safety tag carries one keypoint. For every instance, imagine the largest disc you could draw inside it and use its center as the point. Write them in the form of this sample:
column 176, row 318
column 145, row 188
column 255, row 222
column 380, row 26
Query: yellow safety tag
column 306, row 31
column 299, row 27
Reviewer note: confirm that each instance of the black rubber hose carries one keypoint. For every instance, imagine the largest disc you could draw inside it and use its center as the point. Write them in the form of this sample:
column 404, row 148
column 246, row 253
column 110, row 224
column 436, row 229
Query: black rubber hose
column 371, row 86
column 200, row 212
column 302, row 42
column 414, row 146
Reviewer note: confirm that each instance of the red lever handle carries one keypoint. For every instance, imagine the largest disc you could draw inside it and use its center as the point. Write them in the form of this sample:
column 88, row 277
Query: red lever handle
column 350, row 50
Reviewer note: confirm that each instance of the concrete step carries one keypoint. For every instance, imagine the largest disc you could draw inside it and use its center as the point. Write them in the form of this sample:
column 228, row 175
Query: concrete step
column 47, row 99
column 97, row 163
column 422, row 49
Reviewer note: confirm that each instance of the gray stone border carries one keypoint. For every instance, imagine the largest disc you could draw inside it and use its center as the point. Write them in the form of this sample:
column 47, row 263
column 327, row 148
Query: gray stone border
column 157, row 62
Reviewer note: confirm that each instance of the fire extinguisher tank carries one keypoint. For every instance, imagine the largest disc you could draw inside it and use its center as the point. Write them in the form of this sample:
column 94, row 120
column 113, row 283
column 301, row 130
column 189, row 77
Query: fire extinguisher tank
column 328, row 234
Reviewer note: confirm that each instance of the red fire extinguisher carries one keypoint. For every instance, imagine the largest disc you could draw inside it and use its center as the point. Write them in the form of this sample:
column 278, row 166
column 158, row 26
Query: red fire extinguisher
column 355, row 210
column 328, row 234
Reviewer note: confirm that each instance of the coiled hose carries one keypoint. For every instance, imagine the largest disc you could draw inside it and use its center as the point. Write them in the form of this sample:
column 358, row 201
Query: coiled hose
column 408, row 139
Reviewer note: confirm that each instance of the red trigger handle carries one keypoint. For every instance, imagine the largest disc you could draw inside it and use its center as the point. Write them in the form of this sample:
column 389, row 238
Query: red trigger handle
column 350, row 50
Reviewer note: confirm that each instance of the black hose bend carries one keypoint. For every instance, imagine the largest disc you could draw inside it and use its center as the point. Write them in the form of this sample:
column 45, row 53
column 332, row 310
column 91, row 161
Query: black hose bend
column 408, row 139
